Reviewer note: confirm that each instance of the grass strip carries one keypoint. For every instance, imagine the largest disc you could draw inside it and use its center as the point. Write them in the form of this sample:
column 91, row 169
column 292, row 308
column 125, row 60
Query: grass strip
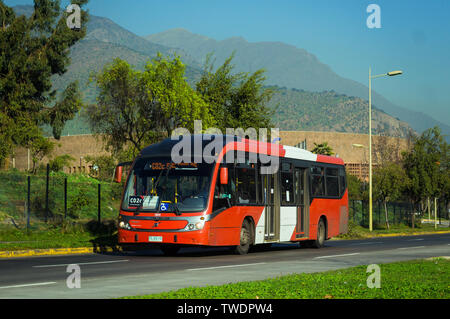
column 418, row 279
column 359, row 232
column 65, row 235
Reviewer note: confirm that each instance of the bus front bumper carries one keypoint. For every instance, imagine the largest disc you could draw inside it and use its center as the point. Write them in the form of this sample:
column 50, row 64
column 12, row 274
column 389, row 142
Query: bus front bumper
column 195, row 237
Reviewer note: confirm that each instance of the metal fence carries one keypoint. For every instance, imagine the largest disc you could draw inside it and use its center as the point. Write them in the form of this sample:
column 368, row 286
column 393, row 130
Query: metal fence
column 397, row 212
column 28, row 199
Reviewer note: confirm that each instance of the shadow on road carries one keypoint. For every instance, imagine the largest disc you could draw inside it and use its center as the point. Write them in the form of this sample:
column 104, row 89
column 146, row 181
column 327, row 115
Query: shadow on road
column 104, row 246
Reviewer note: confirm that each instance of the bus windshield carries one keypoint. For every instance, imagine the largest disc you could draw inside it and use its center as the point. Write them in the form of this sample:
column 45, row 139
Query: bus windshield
column 157, row 184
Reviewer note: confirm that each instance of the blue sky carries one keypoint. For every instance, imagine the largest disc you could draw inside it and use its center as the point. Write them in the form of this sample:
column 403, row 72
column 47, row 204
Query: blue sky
column 414, row 36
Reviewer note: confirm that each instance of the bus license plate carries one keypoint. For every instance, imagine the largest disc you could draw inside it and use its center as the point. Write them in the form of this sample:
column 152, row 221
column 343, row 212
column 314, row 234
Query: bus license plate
column 155, row 238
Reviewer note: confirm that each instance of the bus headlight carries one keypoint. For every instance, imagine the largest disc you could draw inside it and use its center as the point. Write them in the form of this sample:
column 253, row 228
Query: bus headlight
column 200, row 225
column 124, row 225
column 196, row 226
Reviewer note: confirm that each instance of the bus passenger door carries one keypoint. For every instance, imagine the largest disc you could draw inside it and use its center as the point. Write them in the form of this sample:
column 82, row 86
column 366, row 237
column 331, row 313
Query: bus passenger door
column 272, row 207
column 301, row 189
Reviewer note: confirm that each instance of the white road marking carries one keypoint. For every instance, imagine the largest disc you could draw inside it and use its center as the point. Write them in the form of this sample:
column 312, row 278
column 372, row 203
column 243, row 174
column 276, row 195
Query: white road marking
column 332, row 256
column 229, row 266
column 371, row 243
column 418, row 239
column 411, row 247
column 90, row 263
column 30, row 285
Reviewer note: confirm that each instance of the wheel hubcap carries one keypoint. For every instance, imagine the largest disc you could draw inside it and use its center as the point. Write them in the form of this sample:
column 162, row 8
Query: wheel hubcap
column 245, row 236
column 321, row 233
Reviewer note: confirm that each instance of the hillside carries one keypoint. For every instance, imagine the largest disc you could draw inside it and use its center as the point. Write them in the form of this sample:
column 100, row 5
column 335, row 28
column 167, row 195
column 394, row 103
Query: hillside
column 286, row 66
column 330, row 111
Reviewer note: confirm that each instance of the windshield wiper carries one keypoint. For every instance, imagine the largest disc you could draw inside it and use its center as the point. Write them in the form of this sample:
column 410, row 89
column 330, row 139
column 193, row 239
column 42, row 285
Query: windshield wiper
column 177, row 210
column 136, row 211
column 159, row 178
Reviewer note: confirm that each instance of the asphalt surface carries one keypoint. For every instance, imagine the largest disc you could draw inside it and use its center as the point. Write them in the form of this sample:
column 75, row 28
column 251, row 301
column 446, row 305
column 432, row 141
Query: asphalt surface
column 135, row 273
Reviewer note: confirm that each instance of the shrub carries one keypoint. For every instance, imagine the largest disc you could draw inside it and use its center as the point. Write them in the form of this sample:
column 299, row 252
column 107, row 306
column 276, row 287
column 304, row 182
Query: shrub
column 59, row 162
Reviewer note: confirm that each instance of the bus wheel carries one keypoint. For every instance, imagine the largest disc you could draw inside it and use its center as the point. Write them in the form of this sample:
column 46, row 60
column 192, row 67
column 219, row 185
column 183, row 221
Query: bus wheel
column 169, row 250
column 321, row 236
column 246, row 239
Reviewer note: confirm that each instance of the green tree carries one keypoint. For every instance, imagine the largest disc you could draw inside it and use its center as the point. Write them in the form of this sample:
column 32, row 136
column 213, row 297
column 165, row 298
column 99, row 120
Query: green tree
column 136, row 108
column 443, row 187
column 235, row 100
column 59, row 162
column 427, row 174
column 39, row 148
column 32, row 50
column 355, row 187
column 323, row 149
column 175, row 103
column 389, row 183
column 103, row 166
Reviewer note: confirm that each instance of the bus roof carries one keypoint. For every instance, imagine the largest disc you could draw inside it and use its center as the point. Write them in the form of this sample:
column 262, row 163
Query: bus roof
column 164, row 148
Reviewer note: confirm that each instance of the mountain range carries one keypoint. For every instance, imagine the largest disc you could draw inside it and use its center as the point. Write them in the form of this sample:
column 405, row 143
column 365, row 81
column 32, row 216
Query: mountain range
column 307, row 91
column 287, row 66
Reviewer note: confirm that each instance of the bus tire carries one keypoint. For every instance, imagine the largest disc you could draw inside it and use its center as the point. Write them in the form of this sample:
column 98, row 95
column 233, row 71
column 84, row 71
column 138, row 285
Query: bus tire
column 320, row 239
column 245, row 239
column 169, row 250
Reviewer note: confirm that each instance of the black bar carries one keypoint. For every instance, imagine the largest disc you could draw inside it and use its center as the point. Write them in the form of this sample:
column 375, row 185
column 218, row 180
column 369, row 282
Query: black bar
column 99, row 203
column 46, row 192
column 65, row 198
column 28, row 201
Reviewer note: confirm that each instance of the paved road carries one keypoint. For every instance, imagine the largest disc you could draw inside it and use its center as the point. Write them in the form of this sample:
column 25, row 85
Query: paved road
column 115, row 275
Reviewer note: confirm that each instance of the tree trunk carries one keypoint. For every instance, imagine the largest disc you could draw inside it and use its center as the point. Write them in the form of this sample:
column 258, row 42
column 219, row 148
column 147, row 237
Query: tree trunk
column 386, row 214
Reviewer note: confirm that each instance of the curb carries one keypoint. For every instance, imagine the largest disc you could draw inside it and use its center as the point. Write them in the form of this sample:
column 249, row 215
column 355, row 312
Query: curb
column 55, row 251
column 414, row 233
column 397, row 235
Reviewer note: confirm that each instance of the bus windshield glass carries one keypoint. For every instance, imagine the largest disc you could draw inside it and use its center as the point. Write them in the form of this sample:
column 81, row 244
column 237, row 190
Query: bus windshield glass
column 157, row 184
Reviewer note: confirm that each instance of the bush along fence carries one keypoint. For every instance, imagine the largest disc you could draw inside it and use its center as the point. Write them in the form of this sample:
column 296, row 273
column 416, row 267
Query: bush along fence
column 54, row 197
column 398, row 213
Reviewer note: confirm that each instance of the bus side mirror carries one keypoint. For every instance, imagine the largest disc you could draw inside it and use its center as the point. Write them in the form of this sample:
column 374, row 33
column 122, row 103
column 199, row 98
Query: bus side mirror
column 224, row 175
column 118, row 174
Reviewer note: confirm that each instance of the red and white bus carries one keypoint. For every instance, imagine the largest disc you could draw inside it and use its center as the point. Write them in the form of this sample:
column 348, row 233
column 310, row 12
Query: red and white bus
column 229, row 199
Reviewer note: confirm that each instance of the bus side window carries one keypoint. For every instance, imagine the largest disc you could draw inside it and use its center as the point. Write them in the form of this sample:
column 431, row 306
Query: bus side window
column 298, row 188
column 246, row 183
column 342, row 181
column 332, row 182
column 287, row 186
column 225, row 194
column 318, row 185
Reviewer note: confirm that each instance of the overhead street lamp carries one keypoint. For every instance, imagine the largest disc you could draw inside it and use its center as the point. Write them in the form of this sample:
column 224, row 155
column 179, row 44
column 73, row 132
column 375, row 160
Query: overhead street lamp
column 361, row 167
column 392, row 73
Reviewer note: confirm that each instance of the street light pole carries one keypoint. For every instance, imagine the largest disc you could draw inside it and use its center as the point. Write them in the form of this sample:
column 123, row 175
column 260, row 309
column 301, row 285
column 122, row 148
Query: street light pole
column 392, row 73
